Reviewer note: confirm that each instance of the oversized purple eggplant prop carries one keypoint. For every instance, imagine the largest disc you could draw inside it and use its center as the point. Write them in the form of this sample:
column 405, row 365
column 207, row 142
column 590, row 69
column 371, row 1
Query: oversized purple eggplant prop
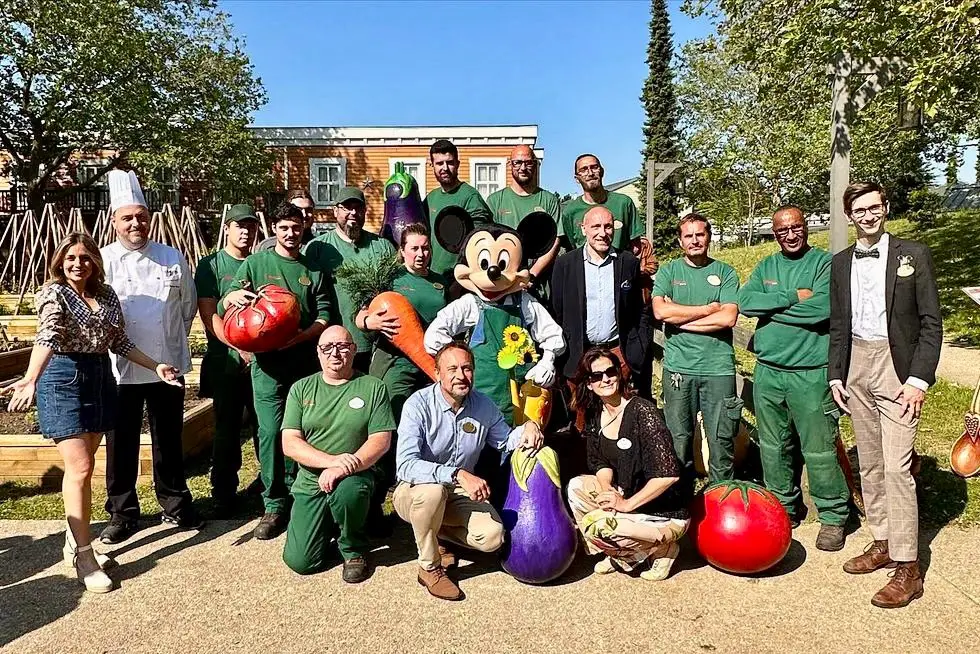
column 541, row 540
column 403, row 205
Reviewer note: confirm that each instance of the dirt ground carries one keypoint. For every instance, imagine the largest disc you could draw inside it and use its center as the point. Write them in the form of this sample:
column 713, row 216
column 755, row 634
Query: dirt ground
column 26, row 423
column 219, row 590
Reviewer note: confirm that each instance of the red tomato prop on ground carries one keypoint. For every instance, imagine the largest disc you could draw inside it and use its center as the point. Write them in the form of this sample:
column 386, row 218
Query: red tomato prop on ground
column 740, row 527
column 266, row 324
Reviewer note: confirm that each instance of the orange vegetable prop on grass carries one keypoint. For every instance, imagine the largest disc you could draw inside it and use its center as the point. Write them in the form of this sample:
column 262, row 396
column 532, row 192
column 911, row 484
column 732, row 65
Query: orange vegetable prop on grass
column 964, row 456
column 370, row 286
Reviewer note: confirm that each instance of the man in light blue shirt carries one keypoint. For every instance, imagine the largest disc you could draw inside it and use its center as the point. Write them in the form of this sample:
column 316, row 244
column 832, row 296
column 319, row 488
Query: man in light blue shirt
column 443, row 429
column 600, row 296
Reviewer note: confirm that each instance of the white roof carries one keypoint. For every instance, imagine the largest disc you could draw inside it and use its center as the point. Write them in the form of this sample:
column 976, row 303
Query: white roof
column 388, row 136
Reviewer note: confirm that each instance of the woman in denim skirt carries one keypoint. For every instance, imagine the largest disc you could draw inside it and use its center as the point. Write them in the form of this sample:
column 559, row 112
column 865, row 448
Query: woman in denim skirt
column 79, row 321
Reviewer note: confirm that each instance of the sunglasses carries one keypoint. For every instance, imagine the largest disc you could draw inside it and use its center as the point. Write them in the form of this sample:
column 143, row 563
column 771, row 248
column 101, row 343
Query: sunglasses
column 597, row 376
column 342, row 348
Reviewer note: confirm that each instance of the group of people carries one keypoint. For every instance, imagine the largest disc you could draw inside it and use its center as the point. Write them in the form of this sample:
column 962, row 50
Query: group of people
column 344, row 417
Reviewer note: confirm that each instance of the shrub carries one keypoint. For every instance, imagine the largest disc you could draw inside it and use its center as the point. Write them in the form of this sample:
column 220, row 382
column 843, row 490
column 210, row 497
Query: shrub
column 923, row 208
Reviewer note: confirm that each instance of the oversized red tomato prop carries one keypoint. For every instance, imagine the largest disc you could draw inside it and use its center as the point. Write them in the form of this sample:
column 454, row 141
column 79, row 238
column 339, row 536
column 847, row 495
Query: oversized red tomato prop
column 740, row 527
column 266, row 324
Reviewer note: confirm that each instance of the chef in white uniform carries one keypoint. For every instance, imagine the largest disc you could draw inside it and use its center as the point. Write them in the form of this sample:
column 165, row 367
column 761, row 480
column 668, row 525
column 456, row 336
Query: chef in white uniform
column 156, row 290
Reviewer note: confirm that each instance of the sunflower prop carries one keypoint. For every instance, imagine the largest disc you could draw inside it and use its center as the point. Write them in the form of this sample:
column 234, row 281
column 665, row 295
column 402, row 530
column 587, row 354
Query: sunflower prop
column 531, row 402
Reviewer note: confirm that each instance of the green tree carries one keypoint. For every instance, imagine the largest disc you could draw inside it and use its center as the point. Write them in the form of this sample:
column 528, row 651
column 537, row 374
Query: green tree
column 953, row 167
column 660, row 134
column 150, row 83
column 789, row 45
column 742, row 141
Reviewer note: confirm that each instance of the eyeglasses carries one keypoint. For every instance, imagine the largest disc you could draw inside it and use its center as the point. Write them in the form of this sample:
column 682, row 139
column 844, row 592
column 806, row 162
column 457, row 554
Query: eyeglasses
column 598, row 375
column 354, row 209
column 784, row 231
column 342, row 348
column 589, row 169
column 523, row 163
column 875, row 209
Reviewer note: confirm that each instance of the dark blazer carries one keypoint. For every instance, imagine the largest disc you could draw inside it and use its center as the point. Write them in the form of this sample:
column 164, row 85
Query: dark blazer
column 633, row 316
column 915, row 326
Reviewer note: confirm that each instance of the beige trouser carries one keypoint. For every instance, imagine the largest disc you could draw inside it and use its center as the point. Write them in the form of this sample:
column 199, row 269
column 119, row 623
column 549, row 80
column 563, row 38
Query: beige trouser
column 437, row 511
column 629, row 538
column 885, row 440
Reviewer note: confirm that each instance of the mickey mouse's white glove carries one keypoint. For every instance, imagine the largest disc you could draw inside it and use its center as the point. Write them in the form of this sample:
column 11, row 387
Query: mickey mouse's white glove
column 543, row 372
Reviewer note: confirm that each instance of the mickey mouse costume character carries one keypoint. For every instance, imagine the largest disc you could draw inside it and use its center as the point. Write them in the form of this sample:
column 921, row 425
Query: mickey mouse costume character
column 493, row 267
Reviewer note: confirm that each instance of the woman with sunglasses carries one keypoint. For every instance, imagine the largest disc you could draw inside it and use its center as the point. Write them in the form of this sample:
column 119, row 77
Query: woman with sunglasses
column 633, row 507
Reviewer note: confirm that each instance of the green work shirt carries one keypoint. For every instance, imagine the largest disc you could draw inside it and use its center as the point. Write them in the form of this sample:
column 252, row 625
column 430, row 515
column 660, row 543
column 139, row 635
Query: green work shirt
column 335, row 419
column 330, row 251
column 509, row 208
column 464, row 196
column 791, row 333
column 693, row 353
column 427, row 294
column 627, row 223
column 301, row 276
column 213, row 279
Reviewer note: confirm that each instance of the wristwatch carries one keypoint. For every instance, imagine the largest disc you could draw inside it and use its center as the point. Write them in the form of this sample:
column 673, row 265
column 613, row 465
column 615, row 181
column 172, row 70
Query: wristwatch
column 455, row 474
column 532, row 279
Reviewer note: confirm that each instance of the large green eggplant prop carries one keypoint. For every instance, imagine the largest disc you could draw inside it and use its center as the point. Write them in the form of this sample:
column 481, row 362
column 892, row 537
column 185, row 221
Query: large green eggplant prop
column 541, row 540
column 403, row 205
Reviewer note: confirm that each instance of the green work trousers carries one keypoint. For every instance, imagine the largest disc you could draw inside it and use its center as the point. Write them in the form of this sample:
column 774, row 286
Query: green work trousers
column 271, row 381
column 721, row 409
column 231, row 390
column 316, row 519
column 401, row 378
column 796, row 414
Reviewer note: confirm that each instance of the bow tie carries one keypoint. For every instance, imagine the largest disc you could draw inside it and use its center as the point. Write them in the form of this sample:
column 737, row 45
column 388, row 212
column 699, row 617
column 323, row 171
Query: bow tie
column 860, row 254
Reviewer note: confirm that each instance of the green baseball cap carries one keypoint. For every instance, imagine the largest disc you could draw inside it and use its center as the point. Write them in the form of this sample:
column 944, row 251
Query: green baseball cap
column 239, row 212
column 350, row 193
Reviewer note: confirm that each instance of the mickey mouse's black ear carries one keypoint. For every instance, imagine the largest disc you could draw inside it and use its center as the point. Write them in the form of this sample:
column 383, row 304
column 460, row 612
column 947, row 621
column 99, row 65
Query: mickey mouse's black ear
column 451, row 227
column 538, row 232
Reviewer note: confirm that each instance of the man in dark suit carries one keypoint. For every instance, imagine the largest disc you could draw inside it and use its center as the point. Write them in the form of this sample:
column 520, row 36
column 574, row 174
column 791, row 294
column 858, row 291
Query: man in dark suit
column 598, row 300
column 885, row 335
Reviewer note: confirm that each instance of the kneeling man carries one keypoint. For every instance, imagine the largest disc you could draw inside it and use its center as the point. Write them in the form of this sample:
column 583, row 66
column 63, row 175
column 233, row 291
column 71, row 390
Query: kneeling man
column 442, row 432
column 337, row 426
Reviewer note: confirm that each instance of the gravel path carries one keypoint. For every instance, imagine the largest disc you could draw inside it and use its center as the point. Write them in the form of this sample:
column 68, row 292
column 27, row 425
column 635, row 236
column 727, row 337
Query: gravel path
column 221, row 591
column 960, row 365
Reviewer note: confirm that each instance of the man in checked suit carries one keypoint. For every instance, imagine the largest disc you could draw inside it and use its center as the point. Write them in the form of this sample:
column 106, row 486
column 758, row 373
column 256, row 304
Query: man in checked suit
column 885, row 337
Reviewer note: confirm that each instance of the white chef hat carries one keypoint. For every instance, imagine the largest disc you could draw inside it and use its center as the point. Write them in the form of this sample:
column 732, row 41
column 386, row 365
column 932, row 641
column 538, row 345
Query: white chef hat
column 124, row 190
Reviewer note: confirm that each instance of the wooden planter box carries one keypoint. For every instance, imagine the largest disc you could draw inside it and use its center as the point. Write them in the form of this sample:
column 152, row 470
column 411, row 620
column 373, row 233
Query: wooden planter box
column 25, row 327
column 31, row 458
column 14, row 363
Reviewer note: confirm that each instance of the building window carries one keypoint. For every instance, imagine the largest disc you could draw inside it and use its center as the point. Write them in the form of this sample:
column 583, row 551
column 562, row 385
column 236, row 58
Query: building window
column 487, row 175
column 414, row 167
column 87, row 169
column 327, row 177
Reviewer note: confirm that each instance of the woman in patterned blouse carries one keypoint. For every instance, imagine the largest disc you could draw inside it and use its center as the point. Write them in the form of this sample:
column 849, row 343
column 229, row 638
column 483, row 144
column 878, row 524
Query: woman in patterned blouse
column 633, row 507
column 79, row 321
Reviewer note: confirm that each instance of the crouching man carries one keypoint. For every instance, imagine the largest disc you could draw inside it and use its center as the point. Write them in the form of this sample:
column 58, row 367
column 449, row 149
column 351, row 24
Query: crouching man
column 443, row 429
column 337, row 425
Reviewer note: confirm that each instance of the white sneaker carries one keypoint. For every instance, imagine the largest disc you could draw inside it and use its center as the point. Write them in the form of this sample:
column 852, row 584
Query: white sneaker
column 96, row 581
column 605, row 566
column 660, row 567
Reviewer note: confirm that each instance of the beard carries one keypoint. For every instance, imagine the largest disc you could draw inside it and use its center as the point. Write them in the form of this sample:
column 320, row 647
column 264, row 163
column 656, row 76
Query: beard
column 352, row 230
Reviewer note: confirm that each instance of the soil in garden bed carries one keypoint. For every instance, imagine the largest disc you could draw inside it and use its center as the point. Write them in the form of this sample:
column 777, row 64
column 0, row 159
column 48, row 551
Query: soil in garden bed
column 26, row 423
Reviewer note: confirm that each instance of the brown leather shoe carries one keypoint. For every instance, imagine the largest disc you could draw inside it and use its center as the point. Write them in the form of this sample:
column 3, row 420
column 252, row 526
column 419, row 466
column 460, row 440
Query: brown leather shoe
column 446, row 558
column 439, row 585
column 905, row 585
column 875, row 557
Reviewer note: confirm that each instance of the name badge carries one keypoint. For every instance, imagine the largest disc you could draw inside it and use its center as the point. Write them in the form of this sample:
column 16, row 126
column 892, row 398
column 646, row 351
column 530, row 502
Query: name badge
column 624, row 443
column 469, row 427
column 356, row 403
column 905, row 267
column 714, row 280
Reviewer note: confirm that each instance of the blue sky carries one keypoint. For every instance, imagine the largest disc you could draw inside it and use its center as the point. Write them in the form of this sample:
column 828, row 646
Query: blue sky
column 573, row 68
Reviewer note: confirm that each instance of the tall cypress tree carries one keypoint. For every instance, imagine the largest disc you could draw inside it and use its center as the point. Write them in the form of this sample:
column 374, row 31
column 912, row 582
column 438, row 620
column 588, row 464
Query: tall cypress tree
column 660, row 136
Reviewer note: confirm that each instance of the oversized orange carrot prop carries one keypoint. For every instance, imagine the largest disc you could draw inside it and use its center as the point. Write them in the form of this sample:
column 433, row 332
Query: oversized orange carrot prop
column 410, row 332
